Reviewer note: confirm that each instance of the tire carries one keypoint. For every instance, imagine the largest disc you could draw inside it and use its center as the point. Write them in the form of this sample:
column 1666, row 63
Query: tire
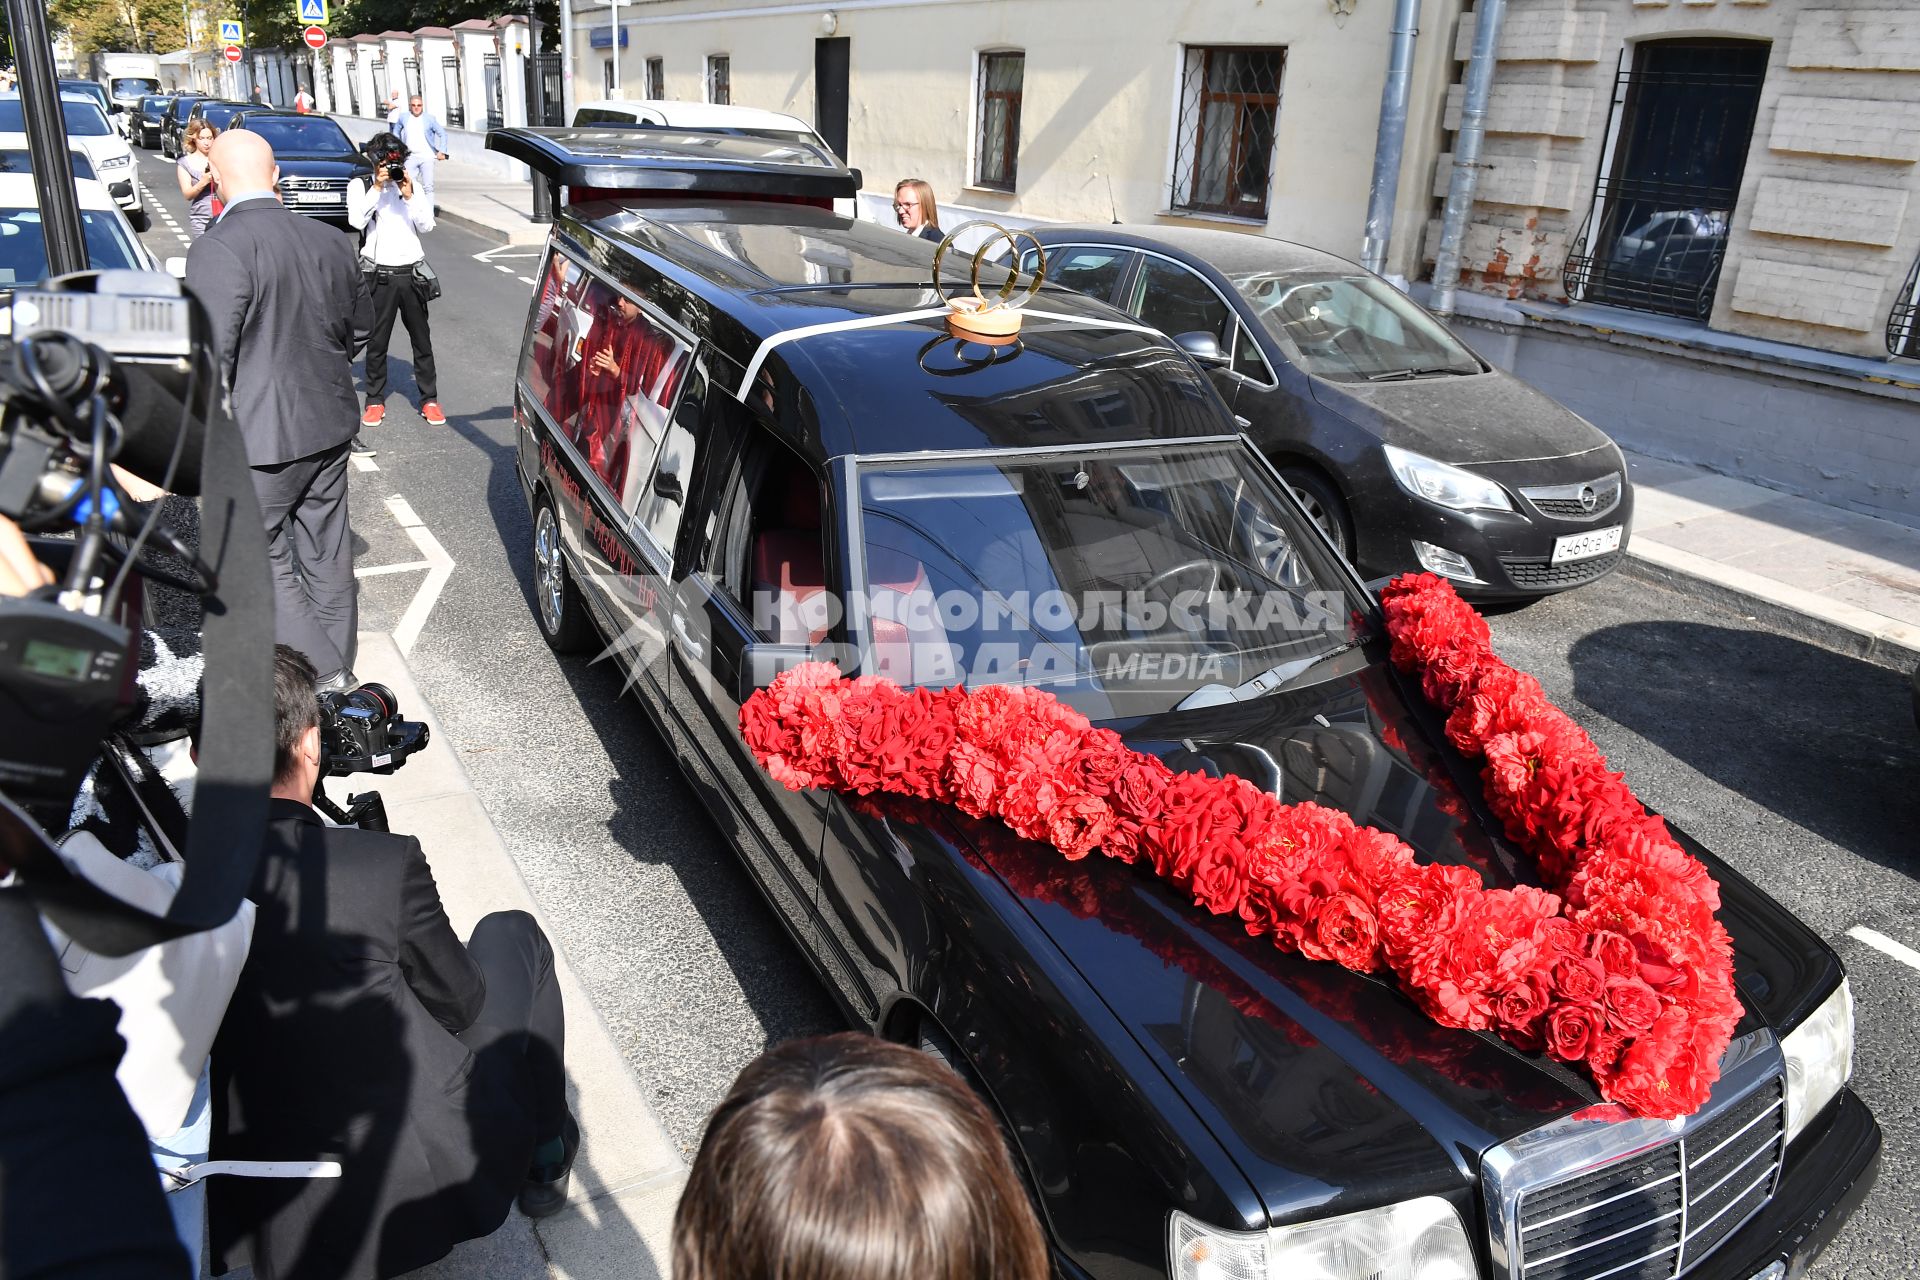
column 557, row 606
column 140, row 218
column 1325, row 505
column 932, row 1040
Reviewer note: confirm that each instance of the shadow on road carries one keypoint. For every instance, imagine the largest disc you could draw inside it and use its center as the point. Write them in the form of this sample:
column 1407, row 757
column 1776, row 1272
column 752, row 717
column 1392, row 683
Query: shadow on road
column 1825, row 741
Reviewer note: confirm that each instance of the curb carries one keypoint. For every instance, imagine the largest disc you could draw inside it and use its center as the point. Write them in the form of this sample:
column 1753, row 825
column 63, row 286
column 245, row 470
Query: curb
column 473, row 226
column 1831, row 624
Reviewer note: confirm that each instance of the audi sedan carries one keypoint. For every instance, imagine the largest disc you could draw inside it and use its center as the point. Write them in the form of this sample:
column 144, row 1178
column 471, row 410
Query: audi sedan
column 317, row 159
column 1409, row 451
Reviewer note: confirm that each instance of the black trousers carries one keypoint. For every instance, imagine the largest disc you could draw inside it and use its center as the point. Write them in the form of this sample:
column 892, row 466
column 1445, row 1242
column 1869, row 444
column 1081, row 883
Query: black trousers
column 310, row 552
column 522, row 1011
column 395, row 294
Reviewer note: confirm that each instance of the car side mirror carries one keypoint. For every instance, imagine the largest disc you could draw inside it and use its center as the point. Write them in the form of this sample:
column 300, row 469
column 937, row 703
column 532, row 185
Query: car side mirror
column 118, row 109
column 760, row 663
column 1204, row 348
column 177, row 267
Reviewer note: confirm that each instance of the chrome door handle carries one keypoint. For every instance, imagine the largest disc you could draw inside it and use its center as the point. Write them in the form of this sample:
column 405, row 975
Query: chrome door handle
column 1244, row 422
column 695, row 649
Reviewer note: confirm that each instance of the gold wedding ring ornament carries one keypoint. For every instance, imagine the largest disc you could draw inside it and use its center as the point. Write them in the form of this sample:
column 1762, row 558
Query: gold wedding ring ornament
column 996, row 320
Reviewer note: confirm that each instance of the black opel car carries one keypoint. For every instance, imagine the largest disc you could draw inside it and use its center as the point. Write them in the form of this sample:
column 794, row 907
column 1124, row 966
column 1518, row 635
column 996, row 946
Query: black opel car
column 1410, row 450
column 174, row 120
column 317, row 159
column 735, row 408
column 144, row 128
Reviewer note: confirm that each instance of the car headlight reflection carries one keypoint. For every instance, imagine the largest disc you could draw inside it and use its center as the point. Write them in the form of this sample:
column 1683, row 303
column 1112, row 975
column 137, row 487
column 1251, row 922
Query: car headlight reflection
column 1440, row 482
column 1415, row 1240
column 1819, row 1056
column 116, row 162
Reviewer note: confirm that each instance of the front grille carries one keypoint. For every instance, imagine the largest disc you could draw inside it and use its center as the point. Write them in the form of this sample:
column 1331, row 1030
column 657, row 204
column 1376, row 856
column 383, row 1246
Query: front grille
column 1656, row 1214
column 297, row 188
column 1588, row 500
column 1544, row 575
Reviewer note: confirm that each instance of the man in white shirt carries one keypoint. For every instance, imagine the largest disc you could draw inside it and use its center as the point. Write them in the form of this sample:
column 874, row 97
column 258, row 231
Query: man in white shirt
column 425, row 137
column 391, row 211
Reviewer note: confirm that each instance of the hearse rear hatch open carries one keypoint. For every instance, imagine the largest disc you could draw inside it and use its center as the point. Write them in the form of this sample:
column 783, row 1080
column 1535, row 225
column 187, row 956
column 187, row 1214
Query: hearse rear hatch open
column 602, row 163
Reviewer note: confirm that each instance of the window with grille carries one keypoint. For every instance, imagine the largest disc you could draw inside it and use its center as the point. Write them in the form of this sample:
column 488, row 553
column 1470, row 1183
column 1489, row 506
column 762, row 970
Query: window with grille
column 1229, row 109
column 998, row 110
column 1903, row 322
column 719, row 79
column 656, row 78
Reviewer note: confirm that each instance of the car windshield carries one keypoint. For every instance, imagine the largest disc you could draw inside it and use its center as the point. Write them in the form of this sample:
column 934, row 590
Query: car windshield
column 23, row 245
column 300, row 134
column 218, row 114
column 19, row 160
column 127, row 86
column 1352, row 327
column 1126, row 581
column 181, row 106
column 84, row 120
column 94, row 91
column 154, row 104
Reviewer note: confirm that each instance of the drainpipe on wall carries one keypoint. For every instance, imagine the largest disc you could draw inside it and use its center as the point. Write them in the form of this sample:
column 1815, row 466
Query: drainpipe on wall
column 1391, row 143
column 1466, row 154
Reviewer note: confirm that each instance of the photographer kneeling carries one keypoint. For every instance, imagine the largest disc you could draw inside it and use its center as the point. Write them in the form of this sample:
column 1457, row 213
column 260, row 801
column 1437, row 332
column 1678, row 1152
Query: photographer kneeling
column 362, row 1031
column 390, row 213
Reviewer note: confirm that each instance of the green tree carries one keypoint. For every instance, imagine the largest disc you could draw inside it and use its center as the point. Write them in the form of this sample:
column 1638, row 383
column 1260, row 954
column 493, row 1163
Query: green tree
column 145, row 25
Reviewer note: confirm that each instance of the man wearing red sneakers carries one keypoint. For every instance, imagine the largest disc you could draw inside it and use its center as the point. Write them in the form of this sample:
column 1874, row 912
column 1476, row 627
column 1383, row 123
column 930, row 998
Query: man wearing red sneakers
column 390, row 213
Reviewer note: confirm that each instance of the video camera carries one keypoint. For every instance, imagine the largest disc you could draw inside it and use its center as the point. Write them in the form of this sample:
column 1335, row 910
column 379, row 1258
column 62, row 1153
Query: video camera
column 363, row 732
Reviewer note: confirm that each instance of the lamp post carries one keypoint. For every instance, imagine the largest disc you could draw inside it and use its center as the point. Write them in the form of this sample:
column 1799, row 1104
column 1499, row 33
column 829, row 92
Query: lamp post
column 542, row 197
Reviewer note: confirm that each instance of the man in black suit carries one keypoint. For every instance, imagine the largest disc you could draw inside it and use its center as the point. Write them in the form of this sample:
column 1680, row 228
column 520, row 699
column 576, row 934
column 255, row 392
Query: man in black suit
column 290, row 311
column 362, row 1031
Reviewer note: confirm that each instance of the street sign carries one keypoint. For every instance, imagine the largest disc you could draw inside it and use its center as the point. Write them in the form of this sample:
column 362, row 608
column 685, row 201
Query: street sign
column 316, row 37
column 233, row 53
column 310, row 10
column 231, row 32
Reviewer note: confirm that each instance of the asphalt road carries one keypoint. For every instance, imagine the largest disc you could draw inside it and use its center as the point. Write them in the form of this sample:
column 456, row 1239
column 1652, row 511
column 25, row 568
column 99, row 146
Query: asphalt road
column 1801, row 766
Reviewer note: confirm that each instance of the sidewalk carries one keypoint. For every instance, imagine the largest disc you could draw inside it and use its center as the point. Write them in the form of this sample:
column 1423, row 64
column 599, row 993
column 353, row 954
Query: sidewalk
column 627, row 1179
column 1847, row 581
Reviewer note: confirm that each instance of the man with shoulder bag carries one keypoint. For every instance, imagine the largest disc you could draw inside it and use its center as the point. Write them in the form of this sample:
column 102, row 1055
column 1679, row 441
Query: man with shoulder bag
column 390, row 212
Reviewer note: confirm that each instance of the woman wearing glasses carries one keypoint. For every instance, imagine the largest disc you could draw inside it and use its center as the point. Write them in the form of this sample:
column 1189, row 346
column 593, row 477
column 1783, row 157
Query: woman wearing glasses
column 914, row 206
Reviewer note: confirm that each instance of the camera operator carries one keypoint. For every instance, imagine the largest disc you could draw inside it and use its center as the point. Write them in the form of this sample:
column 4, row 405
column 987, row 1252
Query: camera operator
column 362, row 1031
column 390, row 212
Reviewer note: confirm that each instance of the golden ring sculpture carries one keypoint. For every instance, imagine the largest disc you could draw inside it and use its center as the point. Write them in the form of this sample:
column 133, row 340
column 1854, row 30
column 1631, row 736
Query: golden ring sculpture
column 994, row 321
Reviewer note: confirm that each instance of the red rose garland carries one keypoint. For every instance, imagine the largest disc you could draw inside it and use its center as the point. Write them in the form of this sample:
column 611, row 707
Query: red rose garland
column 1623, row 969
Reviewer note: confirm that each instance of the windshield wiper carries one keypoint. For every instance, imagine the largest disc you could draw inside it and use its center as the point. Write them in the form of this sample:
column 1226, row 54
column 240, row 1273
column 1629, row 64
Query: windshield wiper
column 1397, row 375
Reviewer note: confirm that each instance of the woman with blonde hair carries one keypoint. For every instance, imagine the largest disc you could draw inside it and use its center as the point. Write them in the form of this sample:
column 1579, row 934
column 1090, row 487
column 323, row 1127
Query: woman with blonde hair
column 915, row 209
column 845, row 1157
column 196, row 172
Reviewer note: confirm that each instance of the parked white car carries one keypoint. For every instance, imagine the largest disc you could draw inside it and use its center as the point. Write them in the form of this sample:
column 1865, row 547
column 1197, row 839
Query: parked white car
column 111, row 243
column 88, row 129
column 701, row 116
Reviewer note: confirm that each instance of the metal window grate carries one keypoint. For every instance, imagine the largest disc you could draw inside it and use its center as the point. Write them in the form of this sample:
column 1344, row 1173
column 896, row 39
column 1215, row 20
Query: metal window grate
column 656, row 78
column 1229, row 110
column 551, row 110
column 456, row 97
column 1001, row 78
column 379, row 104
column 490, row 74
column 719, row 79
column 1656, row 232
column 410, row 72
column 1903, row 322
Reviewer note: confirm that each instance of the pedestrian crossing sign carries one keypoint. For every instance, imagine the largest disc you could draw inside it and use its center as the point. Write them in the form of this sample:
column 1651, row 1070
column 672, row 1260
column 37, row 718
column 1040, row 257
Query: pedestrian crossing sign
column 311, row 10
column 231, row 32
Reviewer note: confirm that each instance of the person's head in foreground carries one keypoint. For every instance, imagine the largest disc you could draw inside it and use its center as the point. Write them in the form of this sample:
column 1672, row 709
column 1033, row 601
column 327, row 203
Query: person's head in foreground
column 849, row 1158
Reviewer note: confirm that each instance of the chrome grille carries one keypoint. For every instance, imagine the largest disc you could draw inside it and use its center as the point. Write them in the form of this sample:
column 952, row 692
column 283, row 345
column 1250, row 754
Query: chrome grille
column 1587, row 500
column 1603, row 1199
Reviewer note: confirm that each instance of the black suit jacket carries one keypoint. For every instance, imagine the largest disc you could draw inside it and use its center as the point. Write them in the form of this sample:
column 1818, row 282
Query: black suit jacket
column 290, row 312
column 340, row 1043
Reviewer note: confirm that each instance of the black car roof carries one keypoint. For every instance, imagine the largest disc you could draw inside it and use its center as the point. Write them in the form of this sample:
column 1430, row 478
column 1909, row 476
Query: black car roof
column 800, row 298
column 1232, row 252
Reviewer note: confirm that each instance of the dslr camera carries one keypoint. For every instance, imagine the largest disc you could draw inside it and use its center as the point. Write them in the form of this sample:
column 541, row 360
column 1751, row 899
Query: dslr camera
column 362, row 731
column 387, row 153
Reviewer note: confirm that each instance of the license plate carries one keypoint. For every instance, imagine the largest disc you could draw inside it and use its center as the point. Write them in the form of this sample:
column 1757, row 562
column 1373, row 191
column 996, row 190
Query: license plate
column 1585, row 546
column 314, row 197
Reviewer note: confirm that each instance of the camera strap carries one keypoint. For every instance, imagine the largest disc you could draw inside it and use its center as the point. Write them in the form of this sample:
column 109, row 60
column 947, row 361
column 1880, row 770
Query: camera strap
column 236, row 736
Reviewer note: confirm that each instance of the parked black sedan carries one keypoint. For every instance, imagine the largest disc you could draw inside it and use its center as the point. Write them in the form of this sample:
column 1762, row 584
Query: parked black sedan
column 1410, row 451
column 174, row 120
column 218, row 112
column 734, row 411
column 317, row 160
column 144, row 129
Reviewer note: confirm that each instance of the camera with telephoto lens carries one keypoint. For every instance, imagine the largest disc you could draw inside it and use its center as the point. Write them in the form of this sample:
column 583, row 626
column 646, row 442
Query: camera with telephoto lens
column 362, row 731
column 388, row 154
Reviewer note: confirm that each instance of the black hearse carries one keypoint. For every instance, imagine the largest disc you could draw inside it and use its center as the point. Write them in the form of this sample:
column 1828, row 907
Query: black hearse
column 735, row 409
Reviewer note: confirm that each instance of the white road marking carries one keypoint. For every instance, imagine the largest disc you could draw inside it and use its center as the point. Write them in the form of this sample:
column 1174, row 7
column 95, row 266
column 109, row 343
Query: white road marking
column 508, row 251
column 497, row 267
column 1885, row 946
column 363, row 463
column 374, row 570
column 525, row 280
column 436, row 556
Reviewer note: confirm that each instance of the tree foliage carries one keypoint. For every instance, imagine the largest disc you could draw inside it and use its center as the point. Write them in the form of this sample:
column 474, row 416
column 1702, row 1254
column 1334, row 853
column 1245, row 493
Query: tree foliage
column 138, row 25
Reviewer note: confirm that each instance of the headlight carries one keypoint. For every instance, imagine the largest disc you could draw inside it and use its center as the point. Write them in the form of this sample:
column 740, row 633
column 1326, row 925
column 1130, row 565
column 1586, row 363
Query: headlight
column 1819, row 1058
column 116, row 162
column 1415, row 1240
column 1423, row 477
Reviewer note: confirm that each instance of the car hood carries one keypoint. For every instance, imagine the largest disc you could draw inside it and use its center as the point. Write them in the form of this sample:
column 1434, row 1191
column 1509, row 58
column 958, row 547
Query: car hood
column 1329, row 1089
column 330, row 165
column 1488, row 417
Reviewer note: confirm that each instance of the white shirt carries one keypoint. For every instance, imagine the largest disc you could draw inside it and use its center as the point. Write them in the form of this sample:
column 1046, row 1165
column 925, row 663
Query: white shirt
column 413, row 132
column 392, row 224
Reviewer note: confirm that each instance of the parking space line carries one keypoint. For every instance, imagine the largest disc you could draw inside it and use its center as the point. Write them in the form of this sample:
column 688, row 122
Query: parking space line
column 525, row 280
column 441, row 568
column 363, row 463
column 1885, row 946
